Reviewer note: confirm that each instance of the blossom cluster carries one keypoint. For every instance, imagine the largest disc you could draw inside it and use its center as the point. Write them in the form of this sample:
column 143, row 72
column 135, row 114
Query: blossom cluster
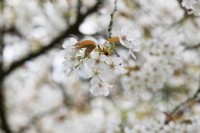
column 98, row 59
column 164, row 61
column 143, row 91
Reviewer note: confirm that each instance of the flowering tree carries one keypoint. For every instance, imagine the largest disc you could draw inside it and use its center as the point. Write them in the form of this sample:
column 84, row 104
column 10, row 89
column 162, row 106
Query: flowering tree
column 118, row 66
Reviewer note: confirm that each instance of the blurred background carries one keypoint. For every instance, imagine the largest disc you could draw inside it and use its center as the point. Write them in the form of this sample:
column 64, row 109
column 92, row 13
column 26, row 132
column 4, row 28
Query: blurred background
column 160, row 87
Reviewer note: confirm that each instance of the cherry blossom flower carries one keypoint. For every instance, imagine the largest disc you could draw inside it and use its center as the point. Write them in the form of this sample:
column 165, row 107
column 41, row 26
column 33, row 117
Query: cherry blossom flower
column 130, row 38
column 115, row 65
column 99, row 87
column 70, row 55
column 97, row 59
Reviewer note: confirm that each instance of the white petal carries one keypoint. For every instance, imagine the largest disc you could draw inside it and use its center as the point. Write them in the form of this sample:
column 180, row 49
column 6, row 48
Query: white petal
column 109, row 61
column 69, row 43
column 136, row 48
column 73, row 40
column 101, row 41
column 124, row 30
column 94, row 80
column 95, row 55
column 94, row 90
column 117, row 61
column 103, row 57
column 104, row 91
column 132, row 54
column 66, row 44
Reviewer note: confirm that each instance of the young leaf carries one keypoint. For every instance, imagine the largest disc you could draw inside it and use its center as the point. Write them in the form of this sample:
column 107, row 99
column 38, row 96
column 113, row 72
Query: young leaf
column 88, row 44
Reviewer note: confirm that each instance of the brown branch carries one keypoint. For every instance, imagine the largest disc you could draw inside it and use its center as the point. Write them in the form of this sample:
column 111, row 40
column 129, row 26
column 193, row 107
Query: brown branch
column 180, row 108
column 72, row 30
column 193, row 47
column 3, row 114
column 111, row 19
column 13, row 30
column 180, row 5
column 79, row 9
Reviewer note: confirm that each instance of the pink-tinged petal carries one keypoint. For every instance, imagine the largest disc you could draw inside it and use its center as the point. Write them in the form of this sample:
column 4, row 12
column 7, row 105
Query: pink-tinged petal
column 122, row 41
column 136, row 34
column 66, row 44
column 120, row 70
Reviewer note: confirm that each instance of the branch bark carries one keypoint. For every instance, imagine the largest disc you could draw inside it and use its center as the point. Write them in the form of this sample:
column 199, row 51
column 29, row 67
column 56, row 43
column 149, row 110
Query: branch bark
column 3, row 114
column 111, row 19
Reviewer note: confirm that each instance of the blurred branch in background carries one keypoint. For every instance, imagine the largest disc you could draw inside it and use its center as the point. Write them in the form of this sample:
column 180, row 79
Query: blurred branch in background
column 12, row 30
column 3, row 114
column 180, row 4
column 79, row 10
column 73, row 29
column 111, row 19
column 193, row 47
column 179, row 109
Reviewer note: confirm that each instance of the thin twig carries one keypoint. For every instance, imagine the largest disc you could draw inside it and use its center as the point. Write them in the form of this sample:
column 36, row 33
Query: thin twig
column 180, row 5
column 179, row 108
column 111, row 19
column 79, row 9
column 111, row 24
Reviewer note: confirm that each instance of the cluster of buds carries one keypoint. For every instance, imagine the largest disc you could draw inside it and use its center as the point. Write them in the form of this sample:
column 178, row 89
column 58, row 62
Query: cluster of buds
column 98, row 60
